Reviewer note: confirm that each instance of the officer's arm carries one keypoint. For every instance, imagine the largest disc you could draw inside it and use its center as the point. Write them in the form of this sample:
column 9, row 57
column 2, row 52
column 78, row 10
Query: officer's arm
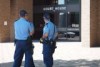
column 56, row 33
column 45, row 32
column 31, row 33
column 45, row 35
column 31, row 28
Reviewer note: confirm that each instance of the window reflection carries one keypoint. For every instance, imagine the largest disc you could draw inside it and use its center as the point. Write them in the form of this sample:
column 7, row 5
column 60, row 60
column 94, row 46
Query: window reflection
column 73, row 26
column 72, row 1
column 63, row 13
column 55, row 2
column 62, row 20
column 73, row 19
column 49, row 2
column 61, row 2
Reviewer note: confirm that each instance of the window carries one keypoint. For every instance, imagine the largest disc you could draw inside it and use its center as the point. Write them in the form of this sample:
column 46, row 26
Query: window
column 73, row 19
column 73, row 26
column 62, row 20
column 64, row 13
column 73, row 1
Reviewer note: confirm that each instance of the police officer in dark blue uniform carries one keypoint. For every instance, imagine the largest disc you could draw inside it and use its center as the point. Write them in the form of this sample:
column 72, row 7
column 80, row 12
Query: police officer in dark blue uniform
column 49, row 36
column 23, row 30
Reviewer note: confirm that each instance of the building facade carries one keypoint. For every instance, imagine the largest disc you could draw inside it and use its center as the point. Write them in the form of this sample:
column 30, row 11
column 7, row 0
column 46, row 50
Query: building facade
column 76, row 20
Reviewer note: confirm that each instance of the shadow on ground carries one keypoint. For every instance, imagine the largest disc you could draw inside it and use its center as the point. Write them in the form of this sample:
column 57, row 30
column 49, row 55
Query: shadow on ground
column 62, row 63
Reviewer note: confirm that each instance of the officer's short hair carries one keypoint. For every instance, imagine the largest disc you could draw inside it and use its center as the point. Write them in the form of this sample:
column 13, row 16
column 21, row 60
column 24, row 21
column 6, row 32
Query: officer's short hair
column 23, row 13
column 46, row 16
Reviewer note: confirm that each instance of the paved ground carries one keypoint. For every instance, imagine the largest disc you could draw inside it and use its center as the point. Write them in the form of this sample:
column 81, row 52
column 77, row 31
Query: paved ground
column 63, row 63
column 67, row 55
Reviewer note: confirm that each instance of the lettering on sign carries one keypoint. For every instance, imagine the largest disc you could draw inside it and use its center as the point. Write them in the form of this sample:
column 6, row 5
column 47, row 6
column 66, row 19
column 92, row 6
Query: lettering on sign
column 54, row 8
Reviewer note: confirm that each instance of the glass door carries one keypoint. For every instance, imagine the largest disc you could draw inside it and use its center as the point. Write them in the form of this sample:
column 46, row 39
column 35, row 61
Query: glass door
column 64, row 13
column 62, row 26
column 73, row 26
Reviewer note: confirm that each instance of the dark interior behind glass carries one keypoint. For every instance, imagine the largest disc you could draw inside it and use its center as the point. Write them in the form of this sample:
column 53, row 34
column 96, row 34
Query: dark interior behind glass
column 64, row 13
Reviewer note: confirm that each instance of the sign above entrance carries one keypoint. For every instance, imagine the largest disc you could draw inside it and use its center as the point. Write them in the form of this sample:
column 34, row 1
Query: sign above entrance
column 54, row 8
column 50, row 8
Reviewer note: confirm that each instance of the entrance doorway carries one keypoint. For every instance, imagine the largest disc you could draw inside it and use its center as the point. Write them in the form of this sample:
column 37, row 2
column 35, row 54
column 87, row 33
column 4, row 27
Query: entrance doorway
column 64, row 13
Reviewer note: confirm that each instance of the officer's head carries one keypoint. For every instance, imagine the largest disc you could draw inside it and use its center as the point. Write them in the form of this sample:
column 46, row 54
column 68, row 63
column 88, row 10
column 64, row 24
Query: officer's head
column 23, row 13
column 46, row 17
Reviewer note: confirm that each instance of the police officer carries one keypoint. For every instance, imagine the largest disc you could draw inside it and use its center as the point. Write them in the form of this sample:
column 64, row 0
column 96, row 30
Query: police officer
column 23, row 30
column 49, row 33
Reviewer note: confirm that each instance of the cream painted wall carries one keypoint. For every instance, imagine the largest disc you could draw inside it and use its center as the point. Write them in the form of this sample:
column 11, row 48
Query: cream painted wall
column 85, row 22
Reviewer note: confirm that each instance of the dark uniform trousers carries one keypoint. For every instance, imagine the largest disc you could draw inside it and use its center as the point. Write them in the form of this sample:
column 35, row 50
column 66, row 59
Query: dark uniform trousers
column 22, row 47
column 48, row 51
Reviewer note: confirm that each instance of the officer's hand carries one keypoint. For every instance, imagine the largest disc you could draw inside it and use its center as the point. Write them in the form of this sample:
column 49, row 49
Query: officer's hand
column 41, row 40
